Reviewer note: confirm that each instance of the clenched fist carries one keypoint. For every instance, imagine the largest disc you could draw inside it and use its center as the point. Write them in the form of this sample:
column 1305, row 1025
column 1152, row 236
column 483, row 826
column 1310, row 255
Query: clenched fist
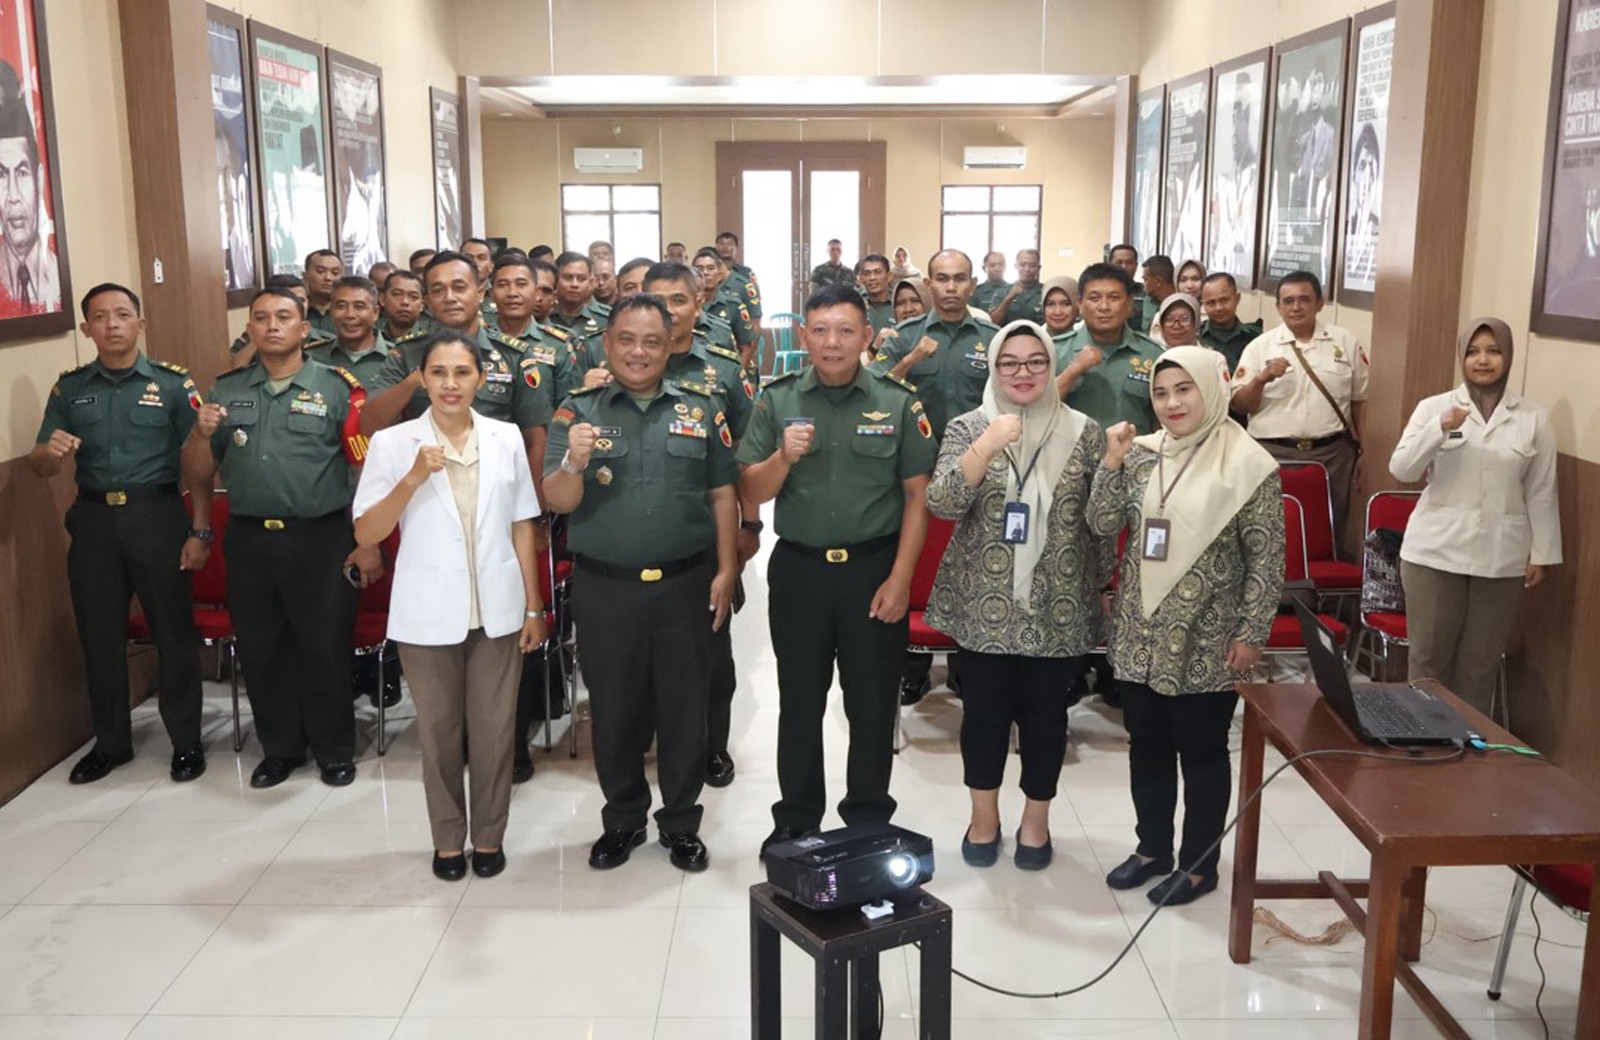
column 580, row 444
column 1275, row 368
column 62, row 444
column 1087, row 358
column 926, row 347
column 596, row 377
column 1119, row 441
column 797, row 441
column 1000, row 434
column 430, row 460
column 1453, row 417
column 210, row 417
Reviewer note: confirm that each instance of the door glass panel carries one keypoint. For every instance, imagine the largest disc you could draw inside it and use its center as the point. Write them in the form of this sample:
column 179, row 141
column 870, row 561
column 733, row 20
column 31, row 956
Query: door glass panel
column 835, row 204
column 968, row 233
column 769, row 235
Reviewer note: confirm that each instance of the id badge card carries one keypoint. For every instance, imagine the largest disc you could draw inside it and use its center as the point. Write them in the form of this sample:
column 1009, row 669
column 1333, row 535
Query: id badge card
column 1157, row 534
column 1014, row 527
column 799, row 420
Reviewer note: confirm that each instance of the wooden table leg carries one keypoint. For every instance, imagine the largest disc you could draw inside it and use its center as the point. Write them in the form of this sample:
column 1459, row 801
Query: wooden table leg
column 1416, row 889
column 864, row 998
column 766, row 982
column 833, row 997
column 1589, row 977
column 1384, row 906
column 1247, row 839
column 933, row 1017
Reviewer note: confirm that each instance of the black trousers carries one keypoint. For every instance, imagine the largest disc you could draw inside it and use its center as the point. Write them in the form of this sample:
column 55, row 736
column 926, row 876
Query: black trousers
column 1032, row 692
column 719, row 710
column 294, row 614
column 818, row 615
column 646, row 652
column 1164, row 732
column 117, row 552
column 917, row 666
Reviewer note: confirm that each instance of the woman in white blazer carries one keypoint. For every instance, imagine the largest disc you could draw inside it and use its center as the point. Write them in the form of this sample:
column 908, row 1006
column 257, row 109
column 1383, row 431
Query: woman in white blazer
column 465, row 605
column 1486, row 526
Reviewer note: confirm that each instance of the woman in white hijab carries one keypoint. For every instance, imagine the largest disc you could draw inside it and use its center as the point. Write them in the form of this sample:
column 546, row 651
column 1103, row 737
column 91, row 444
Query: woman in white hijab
column 1018, row 589
column 1198, row 587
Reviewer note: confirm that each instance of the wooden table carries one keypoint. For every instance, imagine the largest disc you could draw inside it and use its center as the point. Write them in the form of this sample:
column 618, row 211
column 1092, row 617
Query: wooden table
column 1486, row 809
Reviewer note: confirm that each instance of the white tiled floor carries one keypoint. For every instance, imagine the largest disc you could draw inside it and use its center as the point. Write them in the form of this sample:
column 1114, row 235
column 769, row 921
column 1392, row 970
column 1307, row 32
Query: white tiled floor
column 137, row 908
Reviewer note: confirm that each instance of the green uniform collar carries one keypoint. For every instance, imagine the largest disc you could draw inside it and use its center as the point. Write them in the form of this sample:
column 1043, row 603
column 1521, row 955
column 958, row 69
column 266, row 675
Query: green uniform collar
column 257, row 375
column 1240, row 328
column 863, row 381
column 612, row 391
column 141, row 367
column 380, row 347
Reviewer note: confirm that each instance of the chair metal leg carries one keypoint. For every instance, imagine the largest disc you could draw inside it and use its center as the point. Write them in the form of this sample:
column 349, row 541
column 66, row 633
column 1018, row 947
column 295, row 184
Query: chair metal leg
column 1502, row 693
column 1504, row 952
column 383, row 709
column 233, row 676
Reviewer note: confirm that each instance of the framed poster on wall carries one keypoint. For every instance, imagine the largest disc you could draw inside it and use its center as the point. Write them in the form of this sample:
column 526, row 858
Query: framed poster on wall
column 1233, row 191
column 291, row 139
column 1144, row 206
column 232, row 117
column 35, row 299
column 1308, row 81
column 1371, row 69
column 355, row 106
column 1566, row 275
column 1183, row 215
column 446, row 168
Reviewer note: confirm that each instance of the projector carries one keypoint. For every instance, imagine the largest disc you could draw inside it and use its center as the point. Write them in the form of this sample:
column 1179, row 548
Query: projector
column 849, row 866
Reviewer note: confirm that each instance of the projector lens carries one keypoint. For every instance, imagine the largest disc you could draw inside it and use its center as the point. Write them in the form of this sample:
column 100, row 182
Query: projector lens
column 902, row 868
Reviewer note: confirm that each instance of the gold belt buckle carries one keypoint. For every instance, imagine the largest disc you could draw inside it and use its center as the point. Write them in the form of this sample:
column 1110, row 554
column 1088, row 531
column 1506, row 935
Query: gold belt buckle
column 1303, row 444
column 650, row 574
column 836, row 555
column 116, row 498
column 272, row 525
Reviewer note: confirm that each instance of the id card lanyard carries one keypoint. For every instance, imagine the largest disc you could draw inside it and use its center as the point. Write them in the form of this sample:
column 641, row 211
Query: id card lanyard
column 1158, row 529
column 1016, row 522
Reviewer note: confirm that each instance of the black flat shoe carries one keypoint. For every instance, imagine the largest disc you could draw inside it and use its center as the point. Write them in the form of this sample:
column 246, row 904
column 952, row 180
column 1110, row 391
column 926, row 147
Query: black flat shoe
column 688, row 851
column 1179, row 889
column 614, row 848
column 449, row 868
column 913, row 690
column 339, row 774
column 188, row 764
column 780, row 835
column 274, row 771
column 488, row 864
column 1033, row 857
column 980, row 854
column 522, row 766
column 719, row 769
column 94, row 766
column 1133, row 871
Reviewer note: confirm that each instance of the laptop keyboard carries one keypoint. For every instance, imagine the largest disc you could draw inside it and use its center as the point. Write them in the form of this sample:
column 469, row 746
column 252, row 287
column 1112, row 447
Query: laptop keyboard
column 1384, row 715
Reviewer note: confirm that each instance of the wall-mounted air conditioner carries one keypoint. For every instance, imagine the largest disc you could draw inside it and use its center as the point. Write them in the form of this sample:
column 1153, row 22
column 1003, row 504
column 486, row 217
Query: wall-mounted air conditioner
column 1007, row 158
column 608, row 160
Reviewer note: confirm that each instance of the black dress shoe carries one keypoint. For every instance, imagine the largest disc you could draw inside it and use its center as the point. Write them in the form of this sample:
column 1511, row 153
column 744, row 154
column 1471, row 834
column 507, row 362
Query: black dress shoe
column 1179, row 889
column 188, row 764
column 719, row 769
column 688, row 851
column 449, row 868
column 1133, row 871
column 339, row 774
column 522, row 766
column 913, row 690
column 274, row 771
column 783, row 834
column 488, row 864
column 614, row 848
column 94, row 766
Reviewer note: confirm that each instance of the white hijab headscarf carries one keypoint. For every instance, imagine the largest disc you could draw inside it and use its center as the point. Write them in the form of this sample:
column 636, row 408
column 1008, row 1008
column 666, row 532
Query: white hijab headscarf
column 1227, row 468
column 1049, row 428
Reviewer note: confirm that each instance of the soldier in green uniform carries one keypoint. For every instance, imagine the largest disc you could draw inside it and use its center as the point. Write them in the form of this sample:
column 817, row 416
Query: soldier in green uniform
column 123, row 417
column 284, row 433
column 1222, row 330
column 846, row 452
column 1024, row 301
column 481, row 253
column 323, row 269
column 515, row 286
column 644, row 468
column 1159, row 283
column 743, row 279
column 986, row 296
column 1104, row 368
column 605, row 283
column 872, row 278
column 834, row 271
column 574, row 294
column 358, row 349
column 724, row 306
column 943, row 353
column 401, row 302
column 419, row 258
column 1126, row 257
column 241, row 354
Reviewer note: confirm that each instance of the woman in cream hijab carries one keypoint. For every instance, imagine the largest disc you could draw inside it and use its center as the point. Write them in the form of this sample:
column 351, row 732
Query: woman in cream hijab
column 1018, row 589
column 1199, row 585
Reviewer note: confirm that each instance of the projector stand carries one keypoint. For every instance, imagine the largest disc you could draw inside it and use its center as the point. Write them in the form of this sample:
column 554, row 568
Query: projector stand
column 845, row 946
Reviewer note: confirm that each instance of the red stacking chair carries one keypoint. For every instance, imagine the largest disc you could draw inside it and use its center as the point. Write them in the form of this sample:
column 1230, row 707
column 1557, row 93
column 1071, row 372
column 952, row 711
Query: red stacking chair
column 1566, row 885
column 1380, row 631
column 922, row 638
column 1332, row 577
column 1286, row 637
column 371, row 631
column 211, row 618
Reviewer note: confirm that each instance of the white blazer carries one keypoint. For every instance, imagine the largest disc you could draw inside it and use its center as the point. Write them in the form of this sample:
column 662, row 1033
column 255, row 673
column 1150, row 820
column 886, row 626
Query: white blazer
column 429, row 602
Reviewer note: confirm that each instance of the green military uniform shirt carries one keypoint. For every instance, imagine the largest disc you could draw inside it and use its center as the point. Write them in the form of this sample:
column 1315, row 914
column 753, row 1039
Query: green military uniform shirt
column 1144, row 311
column 322, row 326
column 741, row 284
column 870, row 436
column 715, row 331
column 600, row 312
column 719, row 371
column 287, row 454
column 364, row 366
column 831, row 274
column 313, row 340
column 507, row 393
column 1229, row 343
column 423, row 325
column 131, row 421
column 732, row 311
column 951, row 382
column 879, row 315
column 1118, row 388
column 548, row 362
column 988, row 294
column 646, row 490
column 1027, row 305
column 579, row 328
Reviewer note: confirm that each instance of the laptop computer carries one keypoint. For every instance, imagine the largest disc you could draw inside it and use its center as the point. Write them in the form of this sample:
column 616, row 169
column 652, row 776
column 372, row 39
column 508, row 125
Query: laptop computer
column 1379, row 713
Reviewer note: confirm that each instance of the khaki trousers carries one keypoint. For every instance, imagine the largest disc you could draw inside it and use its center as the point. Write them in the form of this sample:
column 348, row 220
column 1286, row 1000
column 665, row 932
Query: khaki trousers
column 466, row 693
column 1339, row 459
column 1458, row 626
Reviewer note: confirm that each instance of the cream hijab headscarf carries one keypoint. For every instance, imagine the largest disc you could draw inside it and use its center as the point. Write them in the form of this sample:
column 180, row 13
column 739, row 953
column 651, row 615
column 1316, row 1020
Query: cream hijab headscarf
column 1050, row 429
column 1227, row 468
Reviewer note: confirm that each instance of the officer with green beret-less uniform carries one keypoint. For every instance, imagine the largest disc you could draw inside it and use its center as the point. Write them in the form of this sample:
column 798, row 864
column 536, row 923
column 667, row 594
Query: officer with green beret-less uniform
column 643, row 466
column 872, row 280
column 357, row 347
column 123, row 418
column 846, row 452
column 322, row 270
column 742, row 280
column 547, row 351
column 363, row 364
column 1103, row 367
column 284, row 434
column 1024, row 299
column 834, row 271
column 716, row 331
column 987, row 294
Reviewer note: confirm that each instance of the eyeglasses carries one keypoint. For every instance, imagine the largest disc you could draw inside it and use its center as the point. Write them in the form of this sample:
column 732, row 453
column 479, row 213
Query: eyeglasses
column 1182, row 320
column 1036, row 365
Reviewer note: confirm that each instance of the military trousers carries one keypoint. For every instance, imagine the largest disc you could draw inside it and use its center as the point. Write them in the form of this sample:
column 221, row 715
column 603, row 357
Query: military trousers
column 645, row 648
column 818, row 614
column 295, row 614
column 117, row 552
column 724, row 681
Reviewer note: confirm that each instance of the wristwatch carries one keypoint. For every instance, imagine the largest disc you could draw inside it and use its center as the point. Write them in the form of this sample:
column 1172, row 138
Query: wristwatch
column 206, row 535
column 753, row 526
column 568, row 467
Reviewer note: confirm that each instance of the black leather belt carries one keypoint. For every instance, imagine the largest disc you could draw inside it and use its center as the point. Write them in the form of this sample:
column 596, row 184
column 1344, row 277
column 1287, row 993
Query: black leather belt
column 670, row 569
column 128, row 495
column 1305, row 443
column 843, row 553
column 284, row 523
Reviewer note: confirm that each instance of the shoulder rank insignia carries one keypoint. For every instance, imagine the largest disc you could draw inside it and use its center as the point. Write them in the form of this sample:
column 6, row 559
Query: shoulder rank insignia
column 510, row 341
column 78, row 368
column 414, row 334
column 891, row 377
column 580, row 391
column 694, row 388
column 724, row 352
column 554, row 333
column 170, row 366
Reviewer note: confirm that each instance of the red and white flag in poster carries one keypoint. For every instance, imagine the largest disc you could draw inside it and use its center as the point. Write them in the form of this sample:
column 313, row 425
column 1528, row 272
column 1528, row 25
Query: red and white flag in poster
column 30, row 275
